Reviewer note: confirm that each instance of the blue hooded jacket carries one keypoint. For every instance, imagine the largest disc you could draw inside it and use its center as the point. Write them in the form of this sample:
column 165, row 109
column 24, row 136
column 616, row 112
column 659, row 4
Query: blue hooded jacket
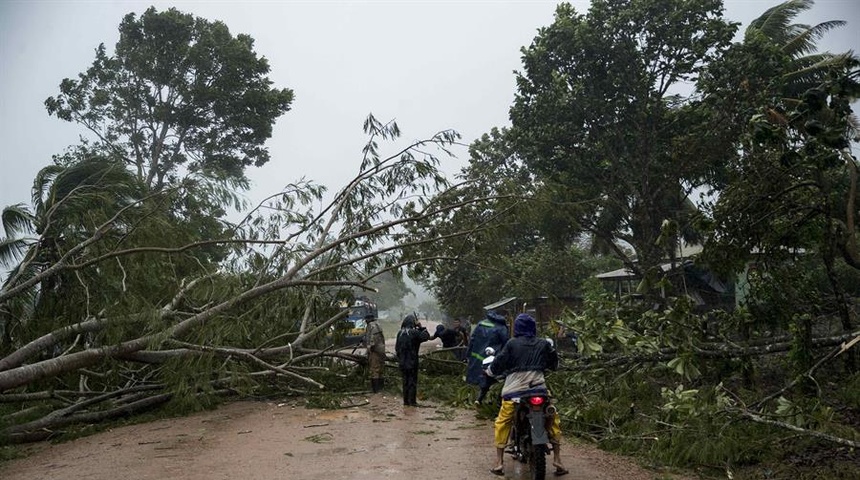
column 491, row 332
column 525, row 352
column 525, row 326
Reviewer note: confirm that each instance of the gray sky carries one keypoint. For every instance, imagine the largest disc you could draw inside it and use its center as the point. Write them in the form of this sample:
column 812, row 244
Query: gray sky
column 430, row 65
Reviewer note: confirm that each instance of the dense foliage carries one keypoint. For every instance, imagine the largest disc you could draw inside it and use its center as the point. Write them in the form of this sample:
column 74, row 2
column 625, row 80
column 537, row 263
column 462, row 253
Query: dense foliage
column 756, row 165
column 117, row 301
column 177, row 92
column 517, row 243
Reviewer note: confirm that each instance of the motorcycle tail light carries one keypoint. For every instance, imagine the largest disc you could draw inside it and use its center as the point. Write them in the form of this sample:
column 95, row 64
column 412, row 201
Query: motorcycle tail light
column 536, row 401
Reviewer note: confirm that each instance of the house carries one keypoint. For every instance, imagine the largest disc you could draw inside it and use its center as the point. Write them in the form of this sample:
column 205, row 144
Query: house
column 544, row 310
column 708, row 291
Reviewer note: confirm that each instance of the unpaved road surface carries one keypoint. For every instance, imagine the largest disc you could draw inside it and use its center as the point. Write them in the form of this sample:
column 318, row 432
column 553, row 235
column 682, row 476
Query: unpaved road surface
column 372, row 437
column 378, row 438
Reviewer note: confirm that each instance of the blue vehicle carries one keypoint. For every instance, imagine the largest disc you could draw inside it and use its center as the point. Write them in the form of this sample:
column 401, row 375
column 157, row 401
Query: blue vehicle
column 355, row 323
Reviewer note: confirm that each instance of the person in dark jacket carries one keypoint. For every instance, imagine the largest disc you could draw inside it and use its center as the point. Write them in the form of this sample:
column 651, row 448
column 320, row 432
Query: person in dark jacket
column 409, row 339
column 465, row 331
column 450, row 338
column 523, row 361
column 490, row 332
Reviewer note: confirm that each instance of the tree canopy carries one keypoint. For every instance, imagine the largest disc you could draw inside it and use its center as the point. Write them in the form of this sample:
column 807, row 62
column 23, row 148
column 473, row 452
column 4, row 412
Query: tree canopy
column 594, row 113
column 178, row 94
column 518, row 244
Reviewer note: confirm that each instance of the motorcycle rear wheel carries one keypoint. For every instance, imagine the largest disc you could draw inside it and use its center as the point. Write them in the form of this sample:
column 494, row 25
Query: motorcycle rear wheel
column 537, row 463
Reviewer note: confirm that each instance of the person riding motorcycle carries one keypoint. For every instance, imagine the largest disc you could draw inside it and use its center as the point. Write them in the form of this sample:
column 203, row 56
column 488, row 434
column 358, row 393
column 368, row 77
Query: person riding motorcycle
column 523, row 361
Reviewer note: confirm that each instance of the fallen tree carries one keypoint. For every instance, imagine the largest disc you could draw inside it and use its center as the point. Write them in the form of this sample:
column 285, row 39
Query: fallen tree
column 258, row 319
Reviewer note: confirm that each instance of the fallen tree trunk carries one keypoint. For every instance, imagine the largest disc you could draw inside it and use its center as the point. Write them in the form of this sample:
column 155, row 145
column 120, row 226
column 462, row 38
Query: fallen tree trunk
column 41, row 429
column 794, row 428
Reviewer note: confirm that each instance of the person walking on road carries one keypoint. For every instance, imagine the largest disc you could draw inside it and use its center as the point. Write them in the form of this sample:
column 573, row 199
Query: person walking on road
column 409, row 340
column 374, row 340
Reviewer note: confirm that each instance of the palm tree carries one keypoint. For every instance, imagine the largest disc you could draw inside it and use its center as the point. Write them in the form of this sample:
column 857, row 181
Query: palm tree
column 67, row 200
column 17, row 224
column 68, row 203
column 17, row 221
column 807, row 67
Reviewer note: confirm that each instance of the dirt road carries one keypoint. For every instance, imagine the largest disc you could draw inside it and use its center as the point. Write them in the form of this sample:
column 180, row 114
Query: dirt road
column 373, row 436
column 377, row 438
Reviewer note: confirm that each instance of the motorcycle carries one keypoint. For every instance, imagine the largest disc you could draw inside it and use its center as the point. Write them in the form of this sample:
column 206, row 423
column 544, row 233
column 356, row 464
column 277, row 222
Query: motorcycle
column 529, row 437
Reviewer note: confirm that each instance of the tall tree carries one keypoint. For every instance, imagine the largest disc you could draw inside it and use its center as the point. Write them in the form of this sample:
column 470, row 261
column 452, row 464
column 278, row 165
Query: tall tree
column 179, row 94
column 790, row 179
column 518, row 245
column 595, row 115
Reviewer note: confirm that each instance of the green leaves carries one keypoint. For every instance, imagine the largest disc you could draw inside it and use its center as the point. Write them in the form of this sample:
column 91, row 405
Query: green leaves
column 179, row 92
column 684, row 365
column 586, row 80
column 790, row 413
column 599, row 327
column 679, row 400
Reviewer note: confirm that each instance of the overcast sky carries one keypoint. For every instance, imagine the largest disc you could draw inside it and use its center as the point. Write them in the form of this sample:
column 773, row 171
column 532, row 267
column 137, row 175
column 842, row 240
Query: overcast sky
column 430, row 65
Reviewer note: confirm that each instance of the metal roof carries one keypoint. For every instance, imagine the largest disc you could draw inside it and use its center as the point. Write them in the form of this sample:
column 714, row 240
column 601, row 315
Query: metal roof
column 627, row 274
column 500, row 303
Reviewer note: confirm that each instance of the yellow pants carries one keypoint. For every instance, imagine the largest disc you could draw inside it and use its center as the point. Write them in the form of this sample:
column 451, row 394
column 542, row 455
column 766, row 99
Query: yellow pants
column 505, row 418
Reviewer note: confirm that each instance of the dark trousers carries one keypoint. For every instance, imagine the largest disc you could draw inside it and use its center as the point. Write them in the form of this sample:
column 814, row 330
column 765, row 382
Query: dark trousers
column 410, row 386
column 486, row 383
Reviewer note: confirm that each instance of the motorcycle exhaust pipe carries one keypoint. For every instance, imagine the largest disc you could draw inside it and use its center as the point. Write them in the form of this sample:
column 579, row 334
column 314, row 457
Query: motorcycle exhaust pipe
column 551, row 410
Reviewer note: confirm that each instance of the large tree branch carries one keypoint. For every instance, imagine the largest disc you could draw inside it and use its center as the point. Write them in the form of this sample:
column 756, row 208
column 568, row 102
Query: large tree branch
column 245, row 355
column 812, row 433
column 28, row 351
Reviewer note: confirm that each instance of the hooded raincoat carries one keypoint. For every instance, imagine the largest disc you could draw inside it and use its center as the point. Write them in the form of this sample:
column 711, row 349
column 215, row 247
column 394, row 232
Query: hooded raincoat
column 409, row 340
column 490, row 332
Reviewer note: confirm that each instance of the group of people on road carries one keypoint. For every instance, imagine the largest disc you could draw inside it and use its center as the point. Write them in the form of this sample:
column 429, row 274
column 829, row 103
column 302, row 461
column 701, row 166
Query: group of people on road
column 408, row 342
column 409, row 339
column 490, row 354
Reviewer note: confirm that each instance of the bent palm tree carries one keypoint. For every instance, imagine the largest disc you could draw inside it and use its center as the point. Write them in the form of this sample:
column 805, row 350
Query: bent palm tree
column 68, row 202
column 807, row 67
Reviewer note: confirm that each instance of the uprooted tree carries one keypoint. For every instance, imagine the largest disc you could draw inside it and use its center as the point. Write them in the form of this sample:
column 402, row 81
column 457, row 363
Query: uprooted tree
column 109, row 312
